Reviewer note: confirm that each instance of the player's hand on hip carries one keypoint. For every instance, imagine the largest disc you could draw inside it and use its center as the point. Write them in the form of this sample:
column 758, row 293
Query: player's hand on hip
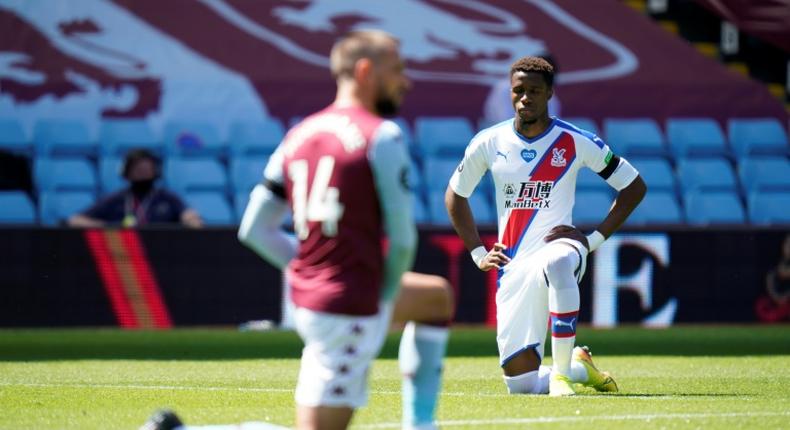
column 495, row 258
column 566, row 232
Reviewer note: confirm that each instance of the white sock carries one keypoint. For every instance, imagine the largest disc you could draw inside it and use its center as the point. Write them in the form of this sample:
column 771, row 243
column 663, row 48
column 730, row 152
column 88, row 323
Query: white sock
column 526, row 383
column 562, row 261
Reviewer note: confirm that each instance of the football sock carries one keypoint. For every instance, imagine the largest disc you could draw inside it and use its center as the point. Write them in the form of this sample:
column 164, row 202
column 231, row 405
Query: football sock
column 526, row 383
column 563, row 303
column 420, row 357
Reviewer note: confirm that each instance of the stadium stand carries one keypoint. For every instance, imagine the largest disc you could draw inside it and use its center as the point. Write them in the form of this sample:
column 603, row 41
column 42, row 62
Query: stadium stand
column 765, row 173
column 54, row 175
column 696, row 137
column 212, row 206
column 55, row 207
column 17, row 208
column 584, row 124
column 119, row 136
column 246, row 172
column 591, row 206
column 63, row 137
column 635, row 137
column 587, row 180
column 658, row 207
column 255, row 138
column 192, row 138
column 769, row 207
column 482, row 208
column 110, row 178
column 443, row 136
column 12, row 137
column 419, row 210
column 706, row 174
column 713, row 207
column 190, row 175
column 757, row 136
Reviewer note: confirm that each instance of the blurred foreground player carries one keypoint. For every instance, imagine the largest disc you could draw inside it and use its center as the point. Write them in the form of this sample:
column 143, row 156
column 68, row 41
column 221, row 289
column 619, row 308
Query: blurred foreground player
column 341, row 172
column 534, row 159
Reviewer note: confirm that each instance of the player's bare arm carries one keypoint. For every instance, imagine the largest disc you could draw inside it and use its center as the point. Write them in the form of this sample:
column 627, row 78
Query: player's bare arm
column 464, row 223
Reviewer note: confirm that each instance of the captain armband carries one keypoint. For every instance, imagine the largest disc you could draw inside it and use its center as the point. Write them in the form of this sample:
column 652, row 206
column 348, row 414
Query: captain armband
column 619, row 173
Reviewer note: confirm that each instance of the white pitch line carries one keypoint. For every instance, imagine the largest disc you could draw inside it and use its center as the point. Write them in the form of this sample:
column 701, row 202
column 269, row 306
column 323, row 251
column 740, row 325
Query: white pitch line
column 379, row 392
column 537, row 420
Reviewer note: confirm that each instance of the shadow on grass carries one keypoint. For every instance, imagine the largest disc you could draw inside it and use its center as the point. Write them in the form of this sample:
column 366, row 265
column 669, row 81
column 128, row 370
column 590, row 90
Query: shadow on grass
column 228, row 344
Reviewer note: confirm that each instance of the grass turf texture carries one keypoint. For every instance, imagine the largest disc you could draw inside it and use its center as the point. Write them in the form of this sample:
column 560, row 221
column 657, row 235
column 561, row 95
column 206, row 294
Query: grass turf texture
column 684, row 378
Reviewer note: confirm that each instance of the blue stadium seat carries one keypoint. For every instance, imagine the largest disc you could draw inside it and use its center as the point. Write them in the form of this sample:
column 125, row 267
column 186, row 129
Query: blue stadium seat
column 757, row 136
column 246, row 172
column 240, row 199
column 256, row 138
column 189, row 138
column 57, row 207
column 419, row 211
column 769, row 207
column 63, row 137
column 119, row 136
column 656, row 172
column 482, row 208
column 713, row 207
column 12, row 137
column 706, row 174
column 695, row 137
column 638, row 136
column 212, row 206
column 447, row 136
column 72, row 174
column 586, row 124
column 16, row 208
column 658, row 207
column 195, row 174
column 110, row 179
column 591, row 206
column 437, row 172
column 764, row 173
column 587, row 180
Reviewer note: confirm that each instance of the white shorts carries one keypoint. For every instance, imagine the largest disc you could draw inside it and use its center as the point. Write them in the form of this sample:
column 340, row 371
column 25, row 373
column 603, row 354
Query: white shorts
column 522, row 299
column 337, row 355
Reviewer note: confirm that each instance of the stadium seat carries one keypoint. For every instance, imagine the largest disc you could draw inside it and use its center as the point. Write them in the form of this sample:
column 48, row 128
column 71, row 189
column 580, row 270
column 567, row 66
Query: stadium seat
column 658, row 207
column 57, row 207
column 764, row 173
column 696, row 137
column 72, row 174
column 63, row 137
column 757, row 136
column 256, row 138
column 195, row 174
column 212, row 206
column 482, row 208
column 588, row 180
column 656, row 172
column 706, row 174
column 246, row 172
column 119, row 136
column 419, row 210
column 110, row 179
column 638, row 136
column 12, row 137
column 586, row 124
column 769, row 207
column 713, row 207
column 16, row 208
column 445, row 136
column 591, row 206
column 437, row 172
column 190, row 138
column 240, row 199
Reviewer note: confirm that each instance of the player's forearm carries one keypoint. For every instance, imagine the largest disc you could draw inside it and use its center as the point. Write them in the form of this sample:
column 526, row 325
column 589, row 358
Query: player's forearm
column 462, row 219
column 625, row 203
column 260, row 228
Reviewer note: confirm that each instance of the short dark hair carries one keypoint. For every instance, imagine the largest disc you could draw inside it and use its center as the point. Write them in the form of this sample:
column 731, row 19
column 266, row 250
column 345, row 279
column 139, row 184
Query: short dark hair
column 536, row 65
column 136, row 155
column 359, row 44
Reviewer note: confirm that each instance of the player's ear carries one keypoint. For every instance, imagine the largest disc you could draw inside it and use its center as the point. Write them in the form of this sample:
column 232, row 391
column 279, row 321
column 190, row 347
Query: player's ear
column 363, row 69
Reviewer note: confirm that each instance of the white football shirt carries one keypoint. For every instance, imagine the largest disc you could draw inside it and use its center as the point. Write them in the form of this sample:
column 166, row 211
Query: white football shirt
column 534, row 179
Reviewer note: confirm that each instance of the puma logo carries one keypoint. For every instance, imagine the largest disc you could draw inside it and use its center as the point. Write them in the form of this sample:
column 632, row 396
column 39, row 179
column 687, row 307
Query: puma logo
column 498, row 153
column 560, row 323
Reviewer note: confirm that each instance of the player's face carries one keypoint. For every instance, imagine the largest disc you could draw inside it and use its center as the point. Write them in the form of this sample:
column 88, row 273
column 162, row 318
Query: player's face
column 392, row 83
column 530, row 95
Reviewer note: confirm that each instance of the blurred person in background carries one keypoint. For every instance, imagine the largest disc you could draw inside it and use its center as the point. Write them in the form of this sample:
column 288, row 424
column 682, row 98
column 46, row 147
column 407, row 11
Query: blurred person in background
column 141, row 203
column 540, row 258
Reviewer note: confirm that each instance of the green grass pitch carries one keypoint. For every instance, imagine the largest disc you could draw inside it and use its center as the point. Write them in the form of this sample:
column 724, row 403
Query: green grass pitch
column 690, row 377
